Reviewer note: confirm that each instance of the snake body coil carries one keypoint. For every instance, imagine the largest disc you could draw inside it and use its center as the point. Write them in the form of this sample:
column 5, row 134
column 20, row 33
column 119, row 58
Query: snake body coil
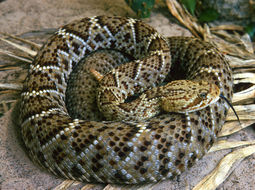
column 125, row 151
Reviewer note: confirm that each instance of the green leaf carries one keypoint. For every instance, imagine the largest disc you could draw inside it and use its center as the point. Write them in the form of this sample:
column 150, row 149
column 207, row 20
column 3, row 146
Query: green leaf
column 190, row 5
column 250, row 29
column 141, row 7
column 208, row 15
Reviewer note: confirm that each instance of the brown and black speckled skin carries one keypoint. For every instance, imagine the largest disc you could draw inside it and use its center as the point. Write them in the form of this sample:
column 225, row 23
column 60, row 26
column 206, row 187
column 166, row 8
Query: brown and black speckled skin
column 119, row 152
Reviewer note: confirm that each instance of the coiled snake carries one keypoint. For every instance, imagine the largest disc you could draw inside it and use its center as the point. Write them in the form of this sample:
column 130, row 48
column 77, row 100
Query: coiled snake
column 159, row 146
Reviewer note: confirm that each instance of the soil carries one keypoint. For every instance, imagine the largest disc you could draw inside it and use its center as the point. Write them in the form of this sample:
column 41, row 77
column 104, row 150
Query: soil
column 23, row 16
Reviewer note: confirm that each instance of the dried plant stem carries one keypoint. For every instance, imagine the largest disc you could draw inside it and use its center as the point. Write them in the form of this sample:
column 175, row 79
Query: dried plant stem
column 185, row 18
column 29, row 51
column 32, row 44
column 224, row 168
column 11, row 86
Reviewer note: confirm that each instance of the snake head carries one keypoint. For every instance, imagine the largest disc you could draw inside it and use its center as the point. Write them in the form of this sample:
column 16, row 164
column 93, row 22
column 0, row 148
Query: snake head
column 183, row 96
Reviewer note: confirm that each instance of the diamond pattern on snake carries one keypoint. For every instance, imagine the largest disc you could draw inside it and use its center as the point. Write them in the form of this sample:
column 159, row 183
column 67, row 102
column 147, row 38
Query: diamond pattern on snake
column 110, row 100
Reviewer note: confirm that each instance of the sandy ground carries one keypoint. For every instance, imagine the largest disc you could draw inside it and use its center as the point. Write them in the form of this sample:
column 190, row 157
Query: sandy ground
column 16, row 170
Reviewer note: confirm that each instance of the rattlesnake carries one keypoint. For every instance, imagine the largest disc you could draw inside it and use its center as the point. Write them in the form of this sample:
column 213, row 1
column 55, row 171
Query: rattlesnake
column 122, row 151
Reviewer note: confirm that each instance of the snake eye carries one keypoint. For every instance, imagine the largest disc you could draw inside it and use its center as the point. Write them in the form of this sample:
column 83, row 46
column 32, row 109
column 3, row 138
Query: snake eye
column 203, row 95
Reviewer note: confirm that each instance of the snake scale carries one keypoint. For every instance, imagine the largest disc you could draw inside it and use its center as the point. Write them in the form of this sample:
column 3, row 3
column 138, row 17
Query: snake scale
column 122, row 151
